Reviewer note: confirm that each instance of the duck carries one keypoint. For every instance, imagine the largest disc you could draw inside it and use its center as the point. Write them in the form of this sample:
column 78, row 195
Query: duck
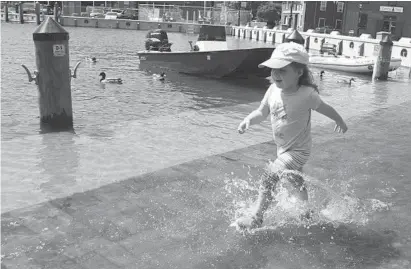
column 109, row 80
column 321, row 74
column 344, row 81
column 160, row 77
column 91, row 59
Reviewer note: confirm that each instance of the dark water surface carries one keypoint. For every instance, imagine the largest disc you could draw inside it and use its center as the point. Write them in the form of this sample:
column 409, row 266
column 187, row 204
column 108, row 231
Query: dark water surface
column 145, row 125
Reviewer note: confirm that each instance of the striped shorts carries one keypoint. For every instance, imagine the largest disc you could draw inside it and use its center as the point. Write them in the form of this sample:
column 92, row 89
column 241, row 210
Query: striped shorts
column 289, row 160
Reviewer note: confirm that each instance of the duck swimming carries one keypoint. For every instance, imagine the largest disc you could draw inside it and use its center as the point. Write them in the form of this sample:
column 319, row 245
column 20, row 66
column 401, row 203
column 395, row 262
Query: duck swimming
column 321, row 74
column 109, row 80
column 160, row 77
column 344, row 81
column 91, row 59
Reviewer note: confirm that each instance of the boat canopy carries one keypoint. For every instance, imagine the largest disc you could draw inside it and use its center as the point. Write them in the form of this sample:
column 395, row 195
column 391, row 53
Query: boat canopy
column 159, row 34
column 212, row 33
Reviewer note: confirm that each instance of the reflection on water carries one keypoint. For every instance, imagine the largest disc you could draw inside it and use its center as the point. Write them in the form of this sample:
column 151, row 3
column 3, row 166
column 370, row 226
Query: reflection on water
column 59, row 159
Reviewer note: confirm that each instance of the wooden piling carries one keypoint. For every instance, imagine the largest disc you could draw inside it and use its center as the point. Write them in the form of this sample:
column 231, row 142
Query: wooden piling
column 6, row 13
column 21, row 13
column 307, row 43
column 38, row 13
column 53, row 77
column 382, row 61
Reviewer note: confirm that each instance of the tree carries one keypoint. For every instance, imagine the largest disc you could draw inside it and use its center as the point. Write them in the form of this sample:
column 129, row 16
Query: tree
column 269, row 12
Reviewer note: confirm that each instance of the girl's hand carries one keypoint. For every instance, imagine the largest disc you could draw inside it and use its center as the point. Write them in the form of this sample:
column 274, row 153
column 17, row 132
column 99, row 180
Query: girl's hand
column 340, row 127
column 244, row 125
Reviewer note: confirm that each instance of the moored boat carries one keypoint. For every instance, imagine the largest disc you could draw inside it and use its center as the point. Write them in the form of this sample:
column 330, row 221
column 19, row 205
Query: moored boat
column 361, row 65
column 209, row 57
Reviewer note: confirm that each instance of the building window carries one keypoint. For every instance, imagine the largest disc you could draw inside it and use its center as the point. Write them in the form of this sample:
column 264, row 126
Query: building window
column 389, row 24
column 338, row 24
column 321, row 22
column 323, row 5
column 362, row 20
column 340, row 7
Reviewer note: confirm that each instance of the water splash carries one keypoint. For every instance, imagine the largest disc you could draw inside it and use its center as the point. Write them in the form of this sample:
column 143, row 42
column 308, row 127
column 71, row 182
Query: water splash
column 330, row 202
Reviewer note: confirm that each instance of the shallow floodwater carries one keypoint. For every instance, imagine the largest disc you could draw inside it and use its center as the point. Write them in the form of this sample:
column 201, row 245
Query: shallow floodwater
column 144, row 125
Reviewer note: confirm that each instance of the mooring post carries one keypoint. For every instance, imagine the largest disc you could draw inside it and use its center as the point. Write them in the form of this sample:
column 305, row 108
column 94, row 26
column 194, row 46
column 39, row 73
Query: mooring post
column 295, row 37
column 383, row 58
column 21, row 13
column 307, row 43
column 6, row 12
column 56, row 10
column 53, row 78
column 38, row 13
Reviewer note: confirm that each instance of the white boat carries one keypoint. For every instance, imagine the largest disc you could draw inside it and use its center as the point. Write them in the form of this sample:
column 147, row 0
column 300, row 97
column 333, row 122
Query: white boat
column 356, row 64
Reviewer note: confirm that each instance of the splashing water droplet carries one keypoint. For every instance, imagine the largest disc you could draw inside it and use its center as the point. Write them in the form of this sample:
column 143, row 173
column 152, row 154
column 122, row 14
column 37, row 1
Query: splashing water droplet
column 328, row 203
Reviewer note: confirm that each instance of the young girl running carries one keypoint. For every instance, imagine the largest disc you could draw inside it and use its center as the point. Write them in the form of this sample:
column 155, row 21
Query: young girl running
column 289, row 101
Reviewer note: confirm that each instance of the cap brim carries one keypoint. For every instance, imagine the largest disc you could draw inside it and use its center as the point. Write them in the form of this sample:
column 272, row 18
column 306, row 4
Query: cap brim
column 274, row 63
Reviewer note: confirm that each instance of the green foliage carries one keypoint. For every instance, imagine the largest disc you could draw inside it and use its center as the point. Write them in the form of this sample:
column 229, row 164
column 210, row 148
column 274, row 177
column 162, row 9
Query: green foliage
column 269, row 12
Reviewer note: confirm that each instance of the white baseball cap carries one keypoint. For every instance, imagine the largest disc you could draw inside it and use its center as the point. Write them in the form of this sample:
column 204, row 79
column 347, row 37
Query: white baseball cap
column 286, row 53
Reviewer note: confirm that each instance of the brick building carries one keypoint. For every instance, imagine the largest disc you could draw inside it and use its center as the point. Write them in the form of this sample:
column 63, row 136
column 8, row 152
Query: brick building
column 313, row 14
column 374, row 16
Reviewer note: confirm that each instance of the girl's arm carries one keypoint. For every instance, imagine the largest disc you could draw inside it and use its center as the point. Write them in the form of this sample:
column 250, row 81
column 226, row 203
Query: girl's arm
column 258, row 115
column 254, row 117
column 330, row 112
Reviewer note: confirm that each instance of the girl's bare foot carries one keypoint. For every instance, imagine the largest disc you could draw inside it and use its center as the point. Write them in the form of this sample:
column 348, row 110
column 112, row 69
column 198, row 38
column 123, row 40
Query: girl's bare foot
column 249, row 222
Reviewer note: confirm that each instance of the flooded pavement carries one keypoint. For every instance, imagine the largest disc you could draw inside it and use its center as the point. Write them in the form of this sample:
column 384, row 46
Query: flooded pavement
column 156, row 171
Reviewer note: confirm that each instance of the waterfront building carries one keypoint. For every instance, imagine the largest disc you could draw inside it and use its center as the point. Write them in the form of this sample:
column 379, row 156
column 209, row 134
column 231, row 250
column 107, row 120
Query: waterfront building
column 371, row 17
column 324, row 16
column 292, row 14
column 219, row 12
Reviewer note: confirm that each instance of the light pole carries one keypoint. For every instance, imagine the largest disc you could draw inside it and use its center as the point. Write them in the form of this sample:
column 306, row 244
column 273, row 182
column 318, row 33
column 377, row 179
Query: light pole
column 334, row 10
column 291, row 14
column 204, row 14
column 359, row 19
column 239, row 12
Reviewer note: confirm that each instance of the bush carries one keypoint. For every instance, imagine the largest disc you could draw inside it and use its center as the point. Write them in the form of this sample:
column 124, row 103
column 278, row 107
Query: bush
column 269, row 12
